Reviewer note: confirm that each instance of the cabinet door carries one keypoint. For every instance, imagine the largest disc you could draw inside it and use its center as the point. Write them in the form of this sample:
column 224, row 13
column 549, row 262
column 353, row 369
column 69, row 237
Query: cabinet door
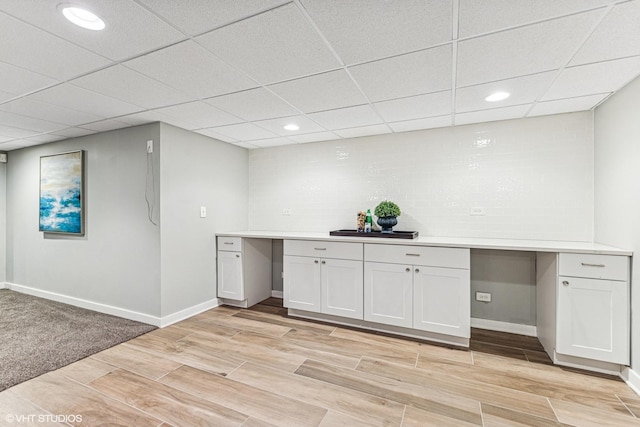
column 442, row 300
column 342, row 287
column 593, row 319
column 388, row 294
column 230, row 281
column 302, row 283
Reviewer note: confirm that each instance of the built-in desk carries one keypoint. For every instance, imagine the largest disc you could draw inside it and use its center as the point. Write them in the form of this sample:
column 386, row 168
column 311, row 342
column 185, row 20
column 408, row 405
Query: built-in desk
column 420, row 288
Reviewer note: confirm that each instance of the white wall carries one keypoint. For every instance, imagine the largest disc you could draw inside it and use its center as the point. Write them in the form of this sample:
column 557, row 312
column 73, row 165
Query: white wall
column 617, row 178
column 197, row 171
column 533, row 177
column 117, row 262
column 3, row 223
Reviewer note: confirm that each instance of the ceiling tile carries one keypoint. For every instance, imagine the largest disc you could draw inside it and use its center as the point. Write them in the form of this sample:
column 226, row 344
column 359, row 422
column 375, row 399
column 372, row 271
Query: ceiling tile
column 191, row 69
column 359, row 31
column 253, row 104
column 28, row 123
column 243, row 132
column 42, row 110
column 14, row 132
column 105, row 125
column 17, row 144
column 4, row 139
column 581, row 103
column 277, row 125
column 363, row 131
column 212, row 134
column 495, row 114
column 523, row 90
column 204, row 15
column 616, row 37
column 73, row 97
column 273, row 46
column 33, row 49
column 428, row 123
column 196, row 115
column 18, row 81
column 144, row 117
column 5, row 96
column 362, row 115
column 479, row 17
column 594, row 78
column 130, row 28
column 246, row 145
column 45, row 138
column 527, row 50
column 319, row 92
column 73, row 132
column 314, row 137
column 132, row 87
column 405, row 75
column 415, row 107
column 270, row 142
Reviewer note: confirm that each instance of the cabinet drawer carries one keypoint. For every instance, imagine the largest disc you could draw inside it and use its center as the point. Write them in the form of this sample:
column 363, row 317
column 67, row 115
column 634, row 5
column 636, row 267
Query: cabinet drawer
column 232, row 244
column 418, row 255
column 612, row 267
column 318, row 248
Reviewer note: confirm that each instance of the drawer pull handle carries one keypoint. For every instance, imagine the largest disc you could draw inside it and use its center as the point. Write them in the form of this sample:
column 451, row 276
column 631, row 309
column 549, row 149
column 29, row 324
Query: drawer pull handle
column 228, row 243
column 412, row 254
column 586, row 264
column 324, row 262
column 417, row 270
column 407, row 269
column 320, row 249
column 315, row 261
column 237, row 255
column 565, row 282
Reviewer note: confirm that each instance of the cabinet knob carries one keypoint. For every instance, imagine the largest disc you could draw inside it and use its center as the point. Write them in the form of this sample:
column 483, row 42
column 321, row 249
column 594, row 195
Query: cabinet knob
column 324, row 262
column 315, row 261
column 407, row 269
column 237, row 255
column 565, row 282
column 417, row 270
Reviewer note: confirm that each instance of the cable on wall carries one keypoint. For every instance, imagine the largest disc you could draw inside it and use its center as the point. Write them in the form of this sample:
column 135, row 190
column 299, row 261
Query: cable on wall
column 149, row 191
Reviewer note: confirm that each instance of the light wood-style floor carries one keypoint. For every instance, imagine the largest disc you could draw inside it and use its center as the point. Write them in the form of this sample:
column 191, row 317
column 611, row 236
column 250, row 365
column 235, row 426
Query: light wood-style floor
column 257, row 367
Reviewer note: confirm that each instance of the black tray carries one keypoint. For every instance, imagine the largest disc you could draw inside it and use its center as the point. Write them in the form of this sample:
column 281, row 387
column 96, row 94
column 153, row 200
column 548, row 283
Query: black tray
column 393, row 235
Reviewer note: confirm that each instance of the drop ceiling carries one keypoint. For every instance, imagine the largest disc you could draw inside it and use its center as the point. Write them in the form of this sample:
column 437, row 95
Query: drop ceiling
column 239, row 71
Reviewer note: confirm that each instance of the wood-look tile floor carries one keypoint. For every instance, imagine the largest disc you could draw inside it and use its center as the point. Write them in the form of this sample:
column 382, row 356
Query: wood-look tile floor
column 258, row 367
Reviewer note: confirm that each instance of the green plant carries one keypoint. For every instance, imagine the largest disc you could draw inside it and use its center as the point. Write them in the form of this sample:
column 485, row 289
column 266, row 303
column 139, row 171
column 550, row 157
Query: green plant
column 386, row 208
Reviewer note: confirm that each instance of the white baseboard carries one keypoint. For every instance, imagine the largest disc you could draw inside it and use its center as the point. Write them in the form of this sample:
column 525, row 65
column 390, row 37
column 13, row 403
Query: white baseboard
column 188, row 312
column 3, row 285
column 276, row 294
column 514, row 328
column 632, row 378
column 116, row 311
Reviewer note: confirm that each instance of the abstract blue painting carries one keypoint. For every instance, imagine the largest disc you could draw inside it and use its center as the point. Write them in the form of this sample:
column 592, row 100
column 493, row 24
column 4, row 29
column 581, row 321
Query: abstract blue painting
column 61, row 193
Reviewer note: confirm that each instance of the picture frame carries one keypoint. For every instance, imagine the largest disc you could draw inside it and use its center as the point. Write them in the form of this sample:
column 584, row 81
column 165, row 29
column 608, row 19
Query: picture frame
column 62, row 193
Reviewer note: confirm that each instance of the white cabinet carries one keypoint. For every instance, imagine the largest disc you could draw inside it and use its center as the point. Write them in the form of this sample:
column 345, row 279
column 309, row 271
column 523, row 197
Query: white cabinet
column 244, row 270
column 323, row 277
column 426, row 288
column 593, row 307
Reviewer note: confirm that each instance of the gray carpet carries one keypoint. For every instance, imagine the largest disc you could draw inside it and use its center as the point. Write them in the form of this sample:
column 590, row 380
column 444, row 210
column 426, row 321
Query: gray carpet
column 38, row 335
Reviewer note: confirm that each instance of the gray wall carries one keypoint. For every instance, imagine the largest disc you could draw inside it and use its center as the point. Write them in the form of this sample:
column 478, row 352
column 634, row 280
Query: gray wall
column 3, row 222
column 617, row 201
column 117, row 262
column 197, row 171
column 510, row 277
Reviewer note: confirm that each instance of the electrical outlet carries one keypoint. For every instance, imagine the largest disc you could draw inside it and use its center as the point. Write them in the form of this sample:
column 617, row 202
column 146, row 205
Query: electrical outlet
column 476, row 211
column 483, row 296
column 286, row 211
column 150, row 146
column 203, row 211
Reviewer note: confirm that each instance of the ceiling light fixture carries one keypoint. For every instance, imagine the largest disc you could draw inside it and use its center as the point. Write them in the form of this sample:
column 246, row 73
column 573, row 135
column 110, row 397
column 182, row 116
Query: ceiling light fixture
column 292, row 126
column 497, row 96
column 82, row 17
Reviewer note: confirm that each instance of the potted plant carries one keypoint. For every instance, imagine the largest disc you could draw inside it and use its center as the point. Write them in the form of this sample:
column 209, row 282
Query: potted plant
column 387, row 213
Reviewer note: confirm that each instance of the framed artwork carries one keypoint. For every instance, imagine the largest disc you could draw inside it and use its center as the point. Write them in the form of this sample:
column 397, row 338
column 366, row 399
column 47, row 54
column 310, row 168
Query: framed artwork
column 61, row 193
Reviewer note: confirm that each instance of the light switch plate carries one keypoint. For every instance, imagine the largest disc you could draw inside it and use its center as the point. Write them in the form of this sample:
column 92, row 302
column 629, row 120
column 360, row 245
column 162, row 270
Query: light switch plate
column 203, row 211
column 3, row 157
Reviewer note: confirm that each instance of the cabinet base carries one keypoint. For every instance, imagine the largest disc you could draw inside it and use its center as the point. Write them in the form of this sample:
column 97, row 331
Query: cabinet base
column 372, row 326
column 234, row 303
column 588, row 364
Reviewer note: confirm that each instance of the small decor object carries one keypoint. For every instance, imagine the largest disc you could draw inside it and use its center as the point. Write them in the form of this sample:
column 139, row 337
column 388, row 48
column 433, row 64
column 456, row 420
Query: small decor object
column 368, row 221
column 387, row 213
column 61, row 204
column 360, row 221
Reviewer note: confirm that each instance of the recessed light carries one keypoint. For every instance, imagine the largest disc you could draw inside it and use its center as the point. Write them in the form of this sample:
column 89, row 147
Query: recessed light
column 497, row 96
column 82, row 17
column 292, row 126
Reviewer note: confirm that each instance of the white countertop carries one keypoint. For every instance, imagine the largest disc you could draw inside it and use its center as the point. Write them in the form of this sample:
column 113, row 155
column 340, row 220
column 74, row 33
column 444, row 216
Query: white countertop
column 453, row 242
